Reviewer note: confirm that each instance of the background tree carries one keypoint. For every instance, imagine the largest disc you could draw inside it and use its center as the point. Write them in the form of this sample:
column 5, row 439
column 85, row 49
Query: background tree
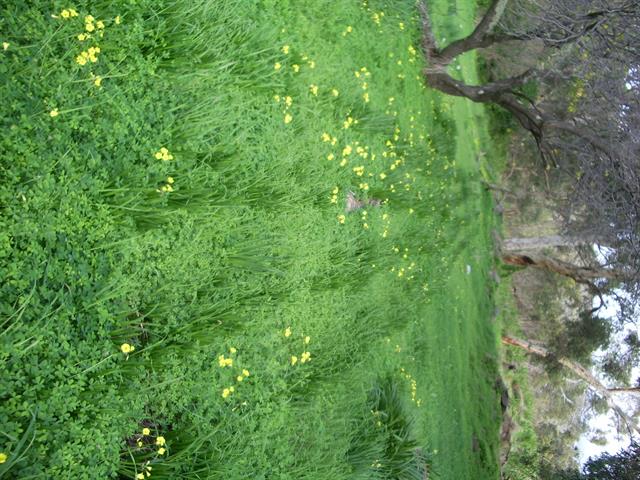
column 585, row 121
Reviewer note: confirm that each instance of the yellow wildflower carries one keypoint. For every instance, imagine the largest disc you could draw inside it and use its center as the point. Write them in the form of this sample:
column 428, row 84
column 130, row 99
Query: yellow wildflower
column 231, row 389
column 331, row 156
column 288, row 101
column 401, row 25
column 365, row 97
column 161, row 451
column 287, row 332
column 312, row 64
column 82, row 37
column 54, row 113
column 347, row 150
column 326, row 137
column 65, row 13
column 146, row 431
column 81, row 59
column 139, row 443
column 383, row 176
column 277, row 66
column 100, row 24
column 245, row 372
column 126, row 348
column 285, row 49
column 341, row 219
column 349, row 29
column 225, row 393
column 233, row 350
column 276, row 98
column 98, row 82
column 140, row 476
column 89, row 19
column 73, row 13
column 160, row 441
column 89, row 27
column 335, row 92
column 313, row 89
column 307, row 339
column 343, row 162
column 288, row 118
column 335, row 190
column 294, row 359
column 239, row 378
column 296, row 67
column 5, row 45
column 118, row 20
column 306, row 356
column 3, row 457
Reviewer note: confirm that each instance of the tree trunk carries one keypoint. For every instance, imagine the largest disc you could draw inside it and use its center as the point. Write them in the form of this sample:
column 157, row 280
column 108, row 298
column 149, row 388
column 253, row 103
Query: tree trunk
column 538, row 243
column 580, row 274
column 578, row 370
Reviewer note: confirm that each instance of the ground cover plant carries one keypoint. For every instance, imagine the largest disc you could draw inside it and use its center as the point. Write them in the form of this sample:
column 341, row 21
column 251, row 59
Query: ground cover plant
column 184, row 295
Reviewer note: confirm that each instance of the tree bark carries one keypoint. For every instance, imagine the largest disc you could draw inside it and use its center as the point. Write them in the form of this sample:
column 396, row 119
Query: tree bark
column 578, row 370
column 538, row 243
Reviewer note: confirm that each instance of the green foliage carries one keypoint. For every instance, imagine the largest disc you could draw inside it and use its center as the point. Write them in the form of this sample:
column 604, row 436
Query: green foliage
column 126, row 276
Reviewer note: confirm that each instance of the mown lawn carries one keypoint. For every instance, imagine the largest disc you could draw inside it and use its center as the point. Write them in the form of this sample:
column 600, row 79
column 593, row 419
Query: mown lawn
column 183, row 294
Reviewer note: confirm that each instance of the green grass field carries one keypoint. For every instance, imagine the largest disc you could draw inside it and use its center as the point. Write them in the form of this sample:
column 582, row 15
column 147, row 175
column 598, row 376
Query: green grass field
column 183, row 294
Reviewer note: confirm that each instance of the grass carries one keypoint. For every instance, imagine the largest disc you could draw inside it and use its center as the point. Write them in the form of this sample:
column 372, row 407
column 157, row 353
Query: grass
column 96, row 252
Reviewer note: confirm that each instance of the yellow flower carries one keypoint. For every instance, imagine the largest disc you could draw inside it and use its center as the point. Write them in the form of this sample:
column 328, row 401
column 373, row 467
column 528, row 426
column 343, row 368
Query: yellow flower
column 126, row 348
column 161, row 451
column 365, row 97
column 225, row 393
column 73, row 13
column 140, row 476
column 335, row 92
column 170, row 180
column 343, row 162
column 294, row 359
column 287, row 332
column 288, row 118
column 239, row 378
column 139, row 443
column 306, row 356
column 245, row 372
column 5, row 45
column 3, row 457
column 347, row 150
column 65, row 13
column 100, row 24
column 233, row 350
column 335, row 190
column 276, row 98
column 349, row 29
column 307, row 339
column 312, row 64
column 160, row 441
column 296, row 68
column 54, row 113
column 285, row 49
column 82, row 37
column 98, row 82
column 401, row 25
column 288, row 101
column 89, row 27
column 331, row 156
column 326, row 137
column 341, row 219
column 277, row 66
column 146, row 431
column 313, row 89
column 118, row 20
column 81, row 59
column 89, row 19
column 383, row 176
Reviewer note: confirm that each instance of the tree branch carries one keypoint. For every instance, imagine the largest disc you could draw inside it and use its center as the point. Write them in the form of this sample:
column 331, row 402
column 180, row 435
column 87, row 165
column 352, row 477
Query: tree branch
column 481, row 37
